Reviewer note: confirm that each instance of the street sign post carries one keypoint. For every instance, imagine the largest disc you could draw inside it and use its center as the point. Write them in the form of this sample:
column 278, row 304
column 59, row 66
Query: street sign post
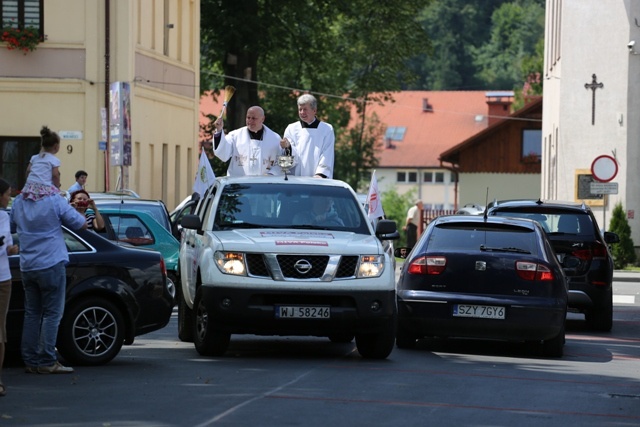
column 604, row 188
column 604, row 168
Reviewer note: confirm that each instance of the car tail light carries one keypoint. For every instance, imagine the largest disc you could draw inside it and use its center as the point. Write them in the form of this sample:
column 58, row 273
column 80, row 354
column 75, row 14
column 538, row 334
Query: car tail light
column 428, row 265
column 599, row 250
column 583, row 254
column 533, row 271
column 163, row 267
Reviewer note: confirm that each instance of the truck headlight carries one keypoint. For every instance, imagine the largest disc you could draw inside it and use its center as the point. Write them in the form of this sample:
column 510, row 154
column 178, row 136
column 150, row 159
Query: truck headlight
column 371, row 265
column 231, row 263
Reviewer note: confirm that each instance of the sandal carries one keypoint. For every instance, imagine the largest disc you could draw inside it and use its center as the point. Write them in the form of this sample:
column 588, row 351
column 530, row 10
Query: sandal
column 3, row 390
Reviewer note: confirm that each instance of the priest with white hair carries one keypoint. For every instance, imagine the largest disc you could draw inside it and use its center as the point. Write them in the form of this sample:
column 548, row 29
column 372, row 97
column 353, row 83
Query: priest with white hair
column 310, row 141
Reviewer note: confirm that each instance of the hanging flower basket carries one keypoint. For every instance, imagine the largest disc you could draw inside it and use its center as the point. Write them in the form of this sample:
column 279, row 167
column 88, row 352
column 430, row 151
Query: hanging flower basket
column 23, row 39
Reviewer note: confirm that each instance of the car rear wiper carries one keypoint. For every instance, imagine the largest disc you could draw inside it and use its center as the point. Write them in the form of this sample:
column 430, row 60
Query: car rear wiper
column 510, row 249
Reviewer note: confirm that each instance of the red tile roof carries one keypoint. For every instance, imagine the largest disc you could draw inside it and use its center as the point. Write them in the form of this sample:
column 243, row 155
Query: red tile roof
column 453, row 119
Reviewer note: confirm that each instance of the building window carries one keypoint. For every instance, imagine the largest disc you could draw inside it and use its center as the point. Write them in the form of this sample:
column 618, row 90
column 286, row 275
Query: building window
column 16, row 153
column 22, row 13
column 395, row 133
column 406, row 176
column 433, row 177
column 531, row 145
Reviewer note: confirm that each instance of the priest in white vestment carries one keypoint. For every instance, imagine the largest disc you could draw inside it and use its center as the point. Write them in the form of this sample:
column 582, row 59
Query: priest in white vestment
column 310, row 141
column 252, row 149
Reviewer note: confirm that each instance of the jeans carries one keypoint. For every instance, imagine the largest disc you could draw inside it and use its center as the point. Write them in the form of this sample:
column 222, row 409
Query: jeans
column 44, row 296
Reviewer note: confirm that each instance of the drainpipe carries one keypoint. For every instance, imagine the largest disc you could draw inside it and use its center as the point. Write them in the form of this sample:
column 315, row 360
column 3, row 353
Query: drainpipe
column 107, row 85
column 454, row 170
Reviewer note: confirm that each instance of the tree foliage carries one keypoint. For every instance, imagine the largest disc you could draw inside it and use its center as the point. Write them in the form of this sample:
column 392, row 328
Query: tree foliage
column 351, row 54
column 478, row 44
column 342, row 52
column 516, row 28
column 531, row 76
column 623, row 252
column 455, row 28
column 395, row 207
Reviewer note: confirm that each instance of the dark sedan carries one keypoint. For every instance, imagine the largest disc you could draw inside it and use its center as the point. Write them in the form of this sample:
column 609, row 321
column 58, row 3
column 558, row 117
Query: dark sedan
column 114, row 293
column 484, row 278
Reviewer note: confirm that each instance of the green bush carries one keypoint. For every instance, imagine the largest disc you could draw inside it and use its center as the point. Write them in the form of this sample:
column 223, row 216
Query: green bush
column 395, row 207
column 623, row 252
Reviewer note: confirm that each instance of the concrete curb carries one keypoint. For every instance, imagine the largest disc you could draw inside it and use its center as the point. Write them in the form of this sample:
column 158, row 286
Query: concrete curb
column 626, row 276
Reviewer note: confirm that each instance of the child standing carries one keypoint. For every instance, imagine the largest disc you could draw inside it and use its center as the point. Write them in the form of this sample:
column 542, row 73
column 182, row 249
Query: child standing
column 43, row 171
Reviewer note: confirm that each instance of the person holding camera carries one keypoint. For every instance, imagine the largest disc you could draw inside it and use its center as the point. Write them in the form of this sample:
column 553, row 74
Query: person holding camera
column 82, row 202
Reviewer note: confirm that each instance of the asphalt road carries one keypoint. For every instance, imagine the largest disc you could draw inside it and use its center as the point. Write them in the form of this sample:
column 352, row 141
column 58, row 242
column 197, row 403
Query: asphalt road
column 292, row 381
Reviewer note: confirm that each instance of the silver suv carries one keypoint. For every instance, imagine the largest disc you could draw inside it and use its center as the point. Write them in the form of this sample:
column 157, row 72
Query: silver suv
column 269, row 256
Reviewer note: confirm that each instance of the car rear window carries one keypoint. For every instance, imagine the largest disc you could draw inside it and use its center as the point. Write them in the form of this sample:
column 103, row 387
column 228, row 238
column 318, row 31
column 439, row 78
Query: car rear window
column 157, row 211
column 447, row 237
column 129, row 228
column 556, row 222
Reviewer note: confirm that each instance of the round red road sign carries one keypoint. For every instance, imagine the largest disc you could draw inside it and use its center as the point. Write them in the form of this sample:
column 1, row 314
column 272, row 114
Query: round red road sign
column 604, row 168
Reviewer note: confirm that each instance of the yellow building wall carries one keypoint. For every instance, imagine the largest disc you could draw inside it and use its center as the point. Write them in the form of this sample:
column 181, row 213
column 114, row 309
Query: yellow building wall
column 63, row 84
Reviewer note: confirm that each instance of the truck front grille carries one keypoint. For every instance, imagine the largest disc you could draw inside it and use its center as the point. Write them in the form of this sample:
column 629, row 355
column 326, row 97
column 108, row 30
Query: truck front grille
column 301, row 267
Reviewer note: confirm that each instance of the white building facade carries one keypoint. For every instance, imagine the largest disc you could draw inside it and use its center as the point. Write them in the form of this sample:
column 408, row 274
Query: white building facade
column 592, row 104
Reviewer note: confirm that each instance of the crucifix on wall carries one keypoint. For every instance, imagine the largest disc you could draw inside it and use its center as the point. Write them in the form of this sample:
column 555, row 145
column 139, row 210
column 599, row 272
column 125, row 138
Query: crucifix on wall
column 593, row 86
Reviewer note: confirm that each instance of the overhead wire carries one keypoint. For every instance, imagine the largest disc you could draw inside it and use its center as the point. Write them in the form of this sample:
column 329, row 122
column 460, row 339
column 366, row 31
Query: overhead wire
column 322, row 94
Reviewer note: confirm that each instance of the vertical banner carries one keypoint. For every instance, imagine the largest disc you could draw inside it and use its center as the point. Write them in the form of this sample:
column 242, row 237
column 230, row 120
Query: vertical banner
column 120, row 124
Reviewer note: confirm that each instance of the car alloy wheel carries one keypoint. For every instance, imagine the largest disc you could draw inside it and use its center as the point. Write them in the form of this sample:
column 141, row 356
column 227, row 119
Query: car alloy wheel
column 91, row 332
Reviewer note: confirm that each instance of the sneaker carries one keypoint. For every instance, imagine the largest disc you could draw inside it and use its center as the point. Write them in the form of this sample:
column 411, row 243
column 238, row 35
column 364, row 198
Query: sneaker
column 31, row 369
column 56, row 368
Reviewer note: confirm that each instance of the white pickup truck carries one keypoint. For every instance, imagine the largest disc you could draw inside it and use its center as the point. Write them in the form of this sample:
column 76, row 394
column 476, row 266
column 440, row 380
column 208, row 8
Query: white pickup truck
column 274, row 256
